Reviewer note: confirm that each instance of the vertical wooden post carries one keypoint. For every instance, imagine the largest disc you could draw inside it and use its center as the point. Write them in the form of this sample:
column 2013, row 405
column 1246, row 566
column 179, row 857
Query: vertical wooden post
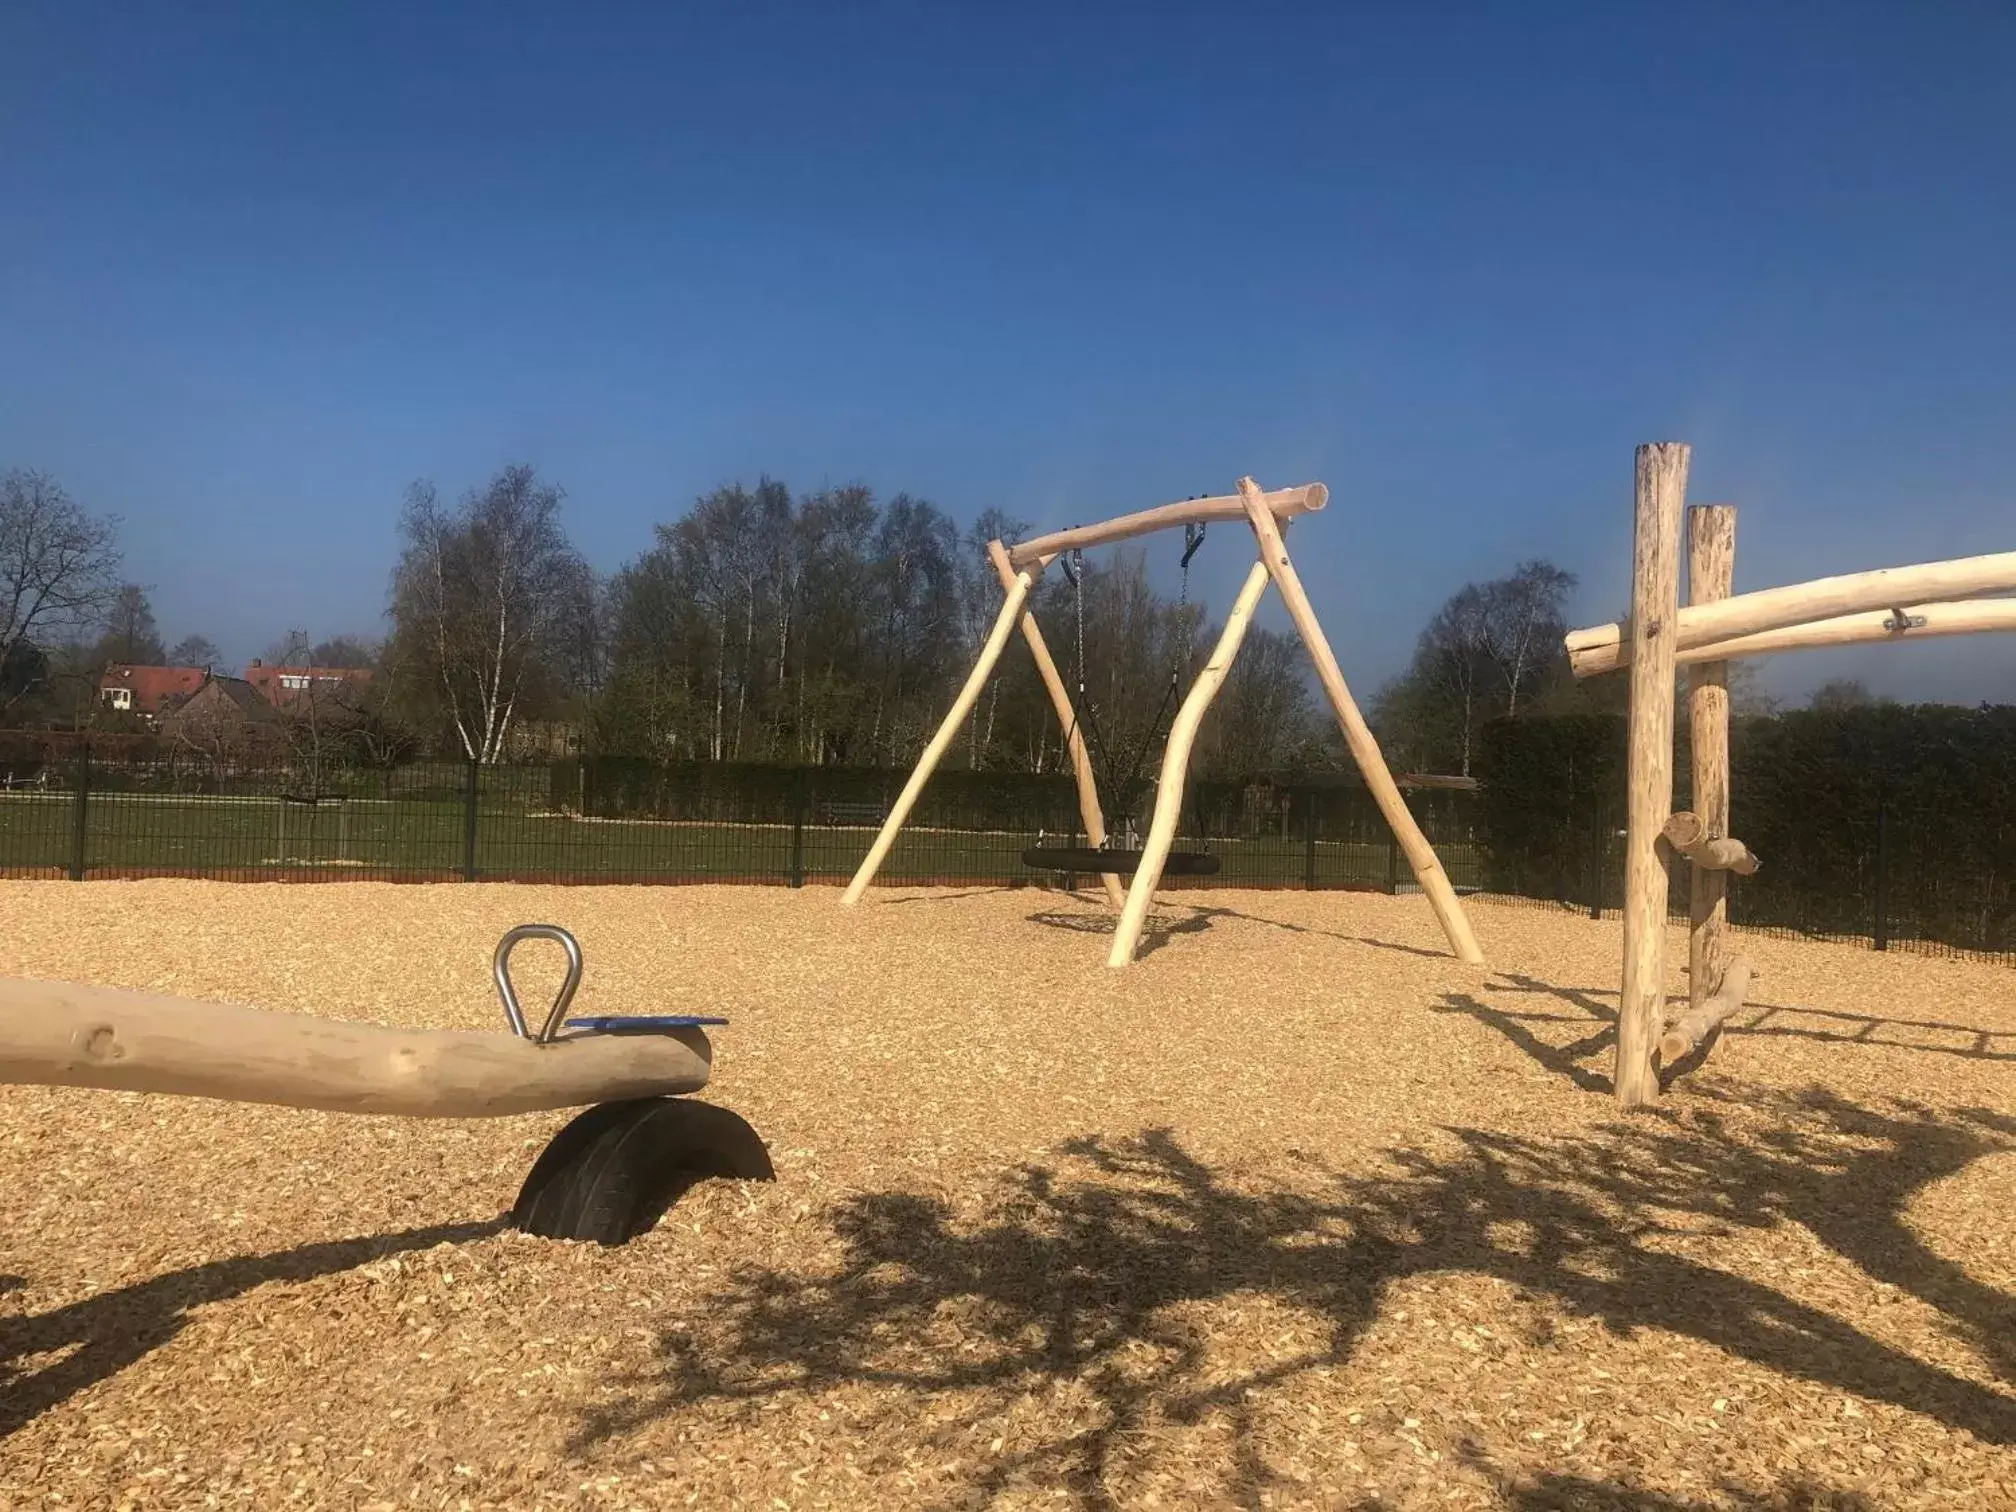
column 1661, row 495
column 1176, row 766
column 1309, row 840
column 1357, row 734
column 1089, row 812
column 990, row 653
column 1711, row 573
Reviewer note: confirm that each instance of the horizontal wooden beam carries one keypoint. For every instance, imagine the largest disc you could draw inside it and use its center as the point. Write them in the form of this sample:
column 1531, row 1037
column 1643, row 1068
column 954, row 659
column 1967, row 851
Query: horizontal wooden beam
column 60, row 1034
column 1920, row 622
column 1603, row 648
column 1282, row 503
column 1688, row 834
column 1694, row 1027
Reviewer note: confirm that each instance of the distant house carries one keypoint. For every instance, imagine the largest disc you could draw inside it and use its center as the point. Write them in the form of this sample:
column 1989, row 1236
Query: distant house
column 146, row 691
column 230, row 698
column 541, row 739
column 220, row 714
column 281, row 686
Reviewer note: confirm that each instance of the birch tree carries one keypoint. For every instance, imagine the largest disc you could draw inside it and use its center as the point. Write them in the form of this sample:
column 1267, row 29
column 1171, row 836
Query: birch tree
column 487, row 599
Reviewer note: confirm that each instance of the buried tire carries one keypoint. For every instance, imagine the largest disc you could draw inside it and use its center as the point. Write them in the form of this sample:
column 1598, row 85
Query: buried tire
column 611, row 1173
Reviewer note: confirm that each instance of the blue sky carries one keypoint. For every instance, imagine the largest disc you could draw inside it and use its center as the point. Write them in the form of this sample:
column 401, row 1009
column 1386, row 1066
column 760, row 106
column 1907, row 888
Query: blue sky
column 265, row 265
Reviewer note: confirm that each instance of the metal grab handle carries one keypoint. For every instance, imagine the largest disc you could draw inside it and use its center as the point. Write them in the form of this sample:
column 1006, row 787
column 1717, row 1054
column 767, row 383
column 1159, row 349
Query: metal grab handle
column 500, row 968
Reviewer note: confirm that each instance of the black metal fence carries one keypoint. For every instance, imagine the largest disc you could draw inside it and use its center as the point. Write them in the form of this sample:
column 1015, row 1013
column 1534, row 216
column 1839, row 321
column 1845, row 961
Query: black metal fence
column 1875, row 869
column 614, row 819
column 1895, row 826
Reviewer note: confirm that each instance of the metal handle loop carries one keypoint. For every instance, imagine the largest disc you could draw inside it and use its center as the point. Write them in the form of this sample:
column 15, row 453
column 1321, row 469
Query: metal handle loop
column 500, row 968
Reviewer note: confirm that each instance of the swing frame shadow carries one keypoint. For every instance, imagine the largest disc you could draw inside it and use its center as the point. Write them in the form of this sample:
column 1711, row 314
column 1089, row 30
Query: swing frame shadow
column 1020, row 567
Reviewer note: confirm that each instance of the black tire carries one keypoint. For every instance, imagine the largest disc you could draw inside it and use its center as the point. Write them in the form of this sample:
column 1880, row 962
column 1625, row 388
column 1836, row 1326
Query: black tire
column 611, row 1173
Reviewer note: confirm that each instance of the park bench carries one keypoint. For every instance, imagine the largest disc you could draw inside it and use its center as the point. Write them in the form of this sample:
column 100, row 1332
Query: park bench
column 852, row 813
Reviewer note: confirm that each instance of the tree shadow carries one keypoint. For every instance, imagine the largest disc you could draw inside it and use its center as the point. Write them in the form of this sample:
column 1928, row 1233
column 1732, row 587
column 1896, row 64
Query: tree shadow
column 1562, row 1060
column 954, row 897
column 1334, row 934
column 1080, row 1273
column 1156, row 933
column 1576, row 1493
column 100, row 1336
column 1754, row 1019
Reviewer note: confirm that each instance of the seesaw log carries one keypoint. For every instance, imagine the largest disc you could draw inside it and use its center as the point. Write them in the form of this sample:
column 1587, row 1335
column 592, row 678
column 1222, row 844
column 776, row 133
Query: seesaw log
column 61, row 1034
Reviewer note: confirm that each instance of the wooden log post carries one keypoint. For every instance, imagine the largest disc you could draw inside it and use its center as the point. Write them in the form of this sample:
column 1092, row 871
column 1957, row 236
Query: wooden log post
column 1693, row 1027
column 983, row 668
column 1690, row 836
column 61, row 1034
column 1910, row 622
column 1603, row 648
column 1661, row 493
column 1711, row 576
column 1357, row 734
column 1089, row 812
column 1176, row 766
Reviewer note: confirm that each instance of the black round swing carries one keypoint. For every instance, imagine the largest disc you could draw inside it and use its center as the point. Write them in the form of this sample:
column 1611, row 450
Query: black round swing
column 1111, row 859
column 1119, row 863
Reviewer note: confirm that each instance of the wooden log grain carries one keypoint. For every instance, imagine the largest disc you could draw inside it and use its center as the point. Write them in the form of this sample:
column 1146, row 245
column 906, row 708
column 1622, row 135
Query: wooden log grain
column 948, row 731
column 1602, row 648
column 1961, row 617
column 1711, row 577
column 1688, row 833
column 63, row 1034
column 1283, row 503
column 1090, row 813
column 1661, row 491
column 1176, row 766
column 1357, row 734
column 1694, row 1026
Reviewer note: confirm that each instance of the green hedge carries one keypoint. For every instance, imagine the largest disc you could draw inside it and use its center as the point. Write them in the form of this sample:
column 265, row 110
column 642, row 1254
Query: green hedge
column 1910, row 809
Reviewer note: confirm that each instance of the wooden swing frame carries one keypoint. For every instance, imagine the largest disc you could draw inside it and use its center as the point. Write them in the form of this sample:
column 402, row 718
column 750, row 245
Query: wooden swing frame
column 1713, row 628
column 1019, row 567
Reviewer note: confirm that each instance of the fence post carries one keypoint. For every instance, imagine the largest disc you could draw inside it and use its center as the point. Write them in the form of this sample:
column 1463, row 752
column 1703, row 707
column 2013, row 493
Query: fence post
column 469, row 802
column 1882, row 930
column 1309, row 840
column 1599, row 852
column 799, row 798
column 80, row 814
column 1393, row 861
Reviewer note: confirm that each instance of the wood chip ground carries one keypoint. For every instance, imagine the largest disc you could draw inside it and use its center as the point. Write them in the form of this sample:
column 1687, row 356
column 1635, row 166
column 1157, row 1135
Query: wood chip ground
column 1298, row 1212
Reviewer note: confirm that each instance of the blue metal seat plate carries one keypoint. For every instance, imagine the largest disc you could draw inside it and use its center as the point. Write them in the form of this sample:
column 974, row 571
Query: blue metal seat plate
column 653, row 1025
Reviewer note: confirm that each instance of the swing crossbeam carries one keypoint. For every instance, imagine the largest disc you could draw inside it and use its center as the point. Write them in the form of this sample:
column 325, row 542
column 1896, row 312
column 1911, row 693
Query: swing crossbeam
column 1020, row 566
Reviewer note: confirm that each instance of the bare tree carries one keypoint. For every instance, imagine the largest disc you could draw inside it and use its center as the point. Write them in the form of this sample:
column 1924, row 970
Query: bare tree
column 485, row 598
column 196, row 651
column 58, row 571
column 131, row 636
column 1492, row 650
column 1524, row 622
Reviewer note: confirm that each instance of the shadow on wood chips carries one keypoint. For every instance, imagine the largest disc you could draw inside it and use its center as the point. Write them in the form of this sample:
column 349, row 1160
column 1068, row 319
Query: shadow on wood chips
column 1566, row 1061
column 1073, row 1275
column 101, row 1335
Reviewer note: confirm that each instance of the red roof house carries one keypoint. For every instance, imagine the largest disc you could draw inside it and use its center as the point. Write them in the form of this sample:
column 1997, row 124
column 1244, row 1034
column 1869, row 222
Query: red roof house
column 144, row 690
column 281, row 686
